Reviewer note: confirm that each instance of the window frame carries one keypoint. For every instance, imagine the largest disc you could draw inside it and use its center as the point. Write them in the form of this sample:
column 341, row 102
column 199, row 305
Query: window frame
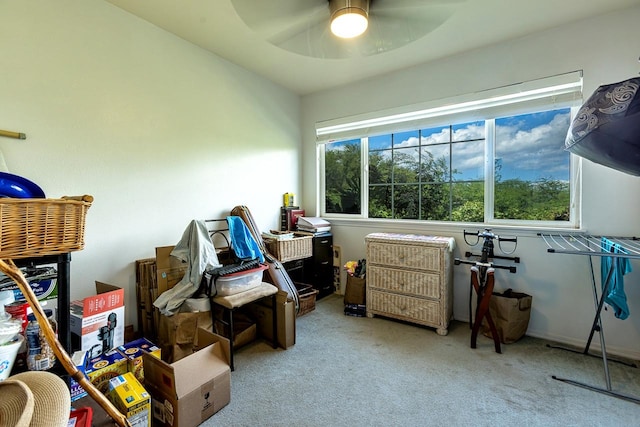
column 489, row 177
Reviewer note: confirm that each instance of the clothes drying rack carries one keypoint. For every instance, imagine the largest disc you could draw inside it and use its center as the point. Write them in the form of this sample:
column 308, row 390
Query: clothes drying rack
column 590, row 245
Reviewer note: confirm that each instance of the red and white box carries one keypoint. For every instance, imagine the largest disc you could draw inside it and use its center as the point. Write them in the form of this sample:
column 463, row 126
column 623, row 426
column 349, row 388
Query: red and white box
column 97, row 322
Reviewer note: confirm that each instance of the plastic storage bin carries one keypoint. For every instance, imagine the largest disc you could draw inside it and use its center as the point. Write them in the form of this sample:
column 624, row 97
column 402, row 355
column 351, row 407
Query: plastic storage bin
column 239, row 282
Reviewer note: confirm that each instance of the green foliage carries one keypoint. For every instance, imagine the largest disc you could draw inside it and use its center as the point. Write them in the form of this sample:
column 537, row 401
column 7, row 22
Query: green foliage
column 404, row 188
column 342, row 178
column 542, row 200
column 468, row 202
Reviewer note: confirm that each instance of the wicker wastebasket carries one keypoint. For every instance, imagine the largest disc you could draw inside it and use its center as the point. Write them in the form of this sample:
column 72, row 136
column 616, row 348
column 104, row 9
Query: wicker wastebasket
column 307, row 295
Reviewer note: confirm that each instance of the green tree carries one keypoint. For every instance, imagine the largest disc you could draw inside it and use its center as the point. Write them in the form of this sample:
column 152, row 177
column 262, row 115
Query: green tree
column 342, row 178
column 405, row 186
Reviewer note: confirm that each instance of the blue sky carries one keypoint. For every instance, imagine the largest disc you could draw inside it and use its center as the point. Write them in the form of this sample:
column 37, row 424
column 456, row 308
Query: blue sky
column 529, row 147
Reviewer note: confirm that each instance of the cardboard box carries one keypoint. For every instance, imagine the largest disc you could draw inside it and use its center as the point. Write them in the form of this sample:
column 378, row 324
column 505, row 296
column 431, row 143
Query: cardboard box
column 97, row 322
column 245, row 333
column 170, row 270
column 98, row 370
column 145, row 290
column 134, row 350
column 189, row 391
column 176, row 333
column 245, row 330
column 286, row 313
column 131, row 399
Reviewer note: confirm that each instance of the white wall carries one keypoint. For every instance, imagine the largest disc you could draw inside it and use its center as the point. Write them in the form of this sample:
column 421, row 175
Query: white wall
column 606, row 49
column 159, row 131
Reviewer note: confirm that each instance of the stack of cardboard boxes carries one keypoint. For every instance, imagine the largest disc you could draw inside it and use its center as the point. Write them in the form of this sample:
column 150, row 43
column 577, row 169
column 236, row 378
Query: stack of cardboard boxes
column 133, row 375
column 178, row 374
column 174, row 334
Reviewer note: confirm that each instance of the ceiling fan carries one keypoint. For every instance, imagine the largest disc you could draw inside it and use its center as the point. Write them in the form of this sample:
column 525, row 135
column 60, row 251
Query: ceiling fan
column 304, row 26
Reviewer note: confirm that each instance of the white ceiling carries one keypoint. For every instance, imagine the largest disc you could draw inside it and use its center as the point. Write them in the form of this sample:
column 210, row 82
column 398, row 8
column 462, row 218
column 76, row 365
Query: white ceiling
column 214, row 25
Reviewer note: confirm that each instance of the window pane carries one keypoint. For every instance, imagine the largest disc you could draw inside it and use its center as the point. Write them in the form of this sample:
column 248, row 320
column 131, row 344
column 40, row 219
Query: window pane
column 380, row 201
column 406, row 139
column 531, row 167
column 467, row 131
column 343, row 177
column 406, row 165
column 467, row 161
column 435, row 163
column 467, row 201
column 380, row 167
column 380, row 142
column 417, row 178
column 435, row 202
column 435, row 135
column 405, row 201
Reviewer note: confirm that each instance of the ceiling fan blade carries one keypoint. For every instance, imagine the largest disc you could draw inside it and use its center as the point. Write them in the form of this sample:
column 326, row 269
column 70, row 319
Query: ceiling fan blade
column 393, row 28
column 278, row 20
column 318, row 42
column 381, row 5
column 301, row 25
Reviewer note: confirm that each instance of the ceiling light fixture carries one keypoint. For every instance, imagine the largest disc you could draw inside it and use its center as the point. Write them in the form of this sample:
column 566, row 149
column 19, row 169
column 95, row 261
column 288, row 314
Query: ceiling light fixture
column 349, row 18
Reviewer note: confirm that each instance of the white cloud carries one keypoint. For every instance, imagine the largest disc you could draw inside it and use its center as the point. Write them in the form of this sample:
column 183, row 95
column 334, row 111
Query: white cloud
column 534, row 152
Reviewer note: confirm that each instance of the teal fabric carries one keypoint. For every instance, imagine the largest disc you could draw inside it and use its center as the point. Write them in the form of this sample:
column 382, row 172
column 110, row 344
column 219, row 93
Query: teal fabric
column 618, row 267
column 242, row 242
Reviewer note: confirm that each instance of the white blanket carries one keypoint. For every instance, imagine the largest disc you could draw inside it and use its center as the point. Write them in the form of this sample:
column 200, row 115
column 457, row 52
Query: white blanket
column 195, row 248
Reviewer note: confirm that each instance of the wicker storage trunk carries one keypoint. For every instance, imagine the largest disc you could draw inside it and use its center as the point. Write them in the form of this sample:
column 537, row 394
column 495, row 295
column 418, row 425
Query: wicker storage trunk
column 410, row 277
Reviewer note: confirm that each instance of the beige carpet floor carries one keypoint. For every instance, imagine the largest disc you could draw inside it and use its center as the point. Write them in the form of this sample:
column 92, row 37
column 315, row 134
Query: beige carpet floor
column 346, row 371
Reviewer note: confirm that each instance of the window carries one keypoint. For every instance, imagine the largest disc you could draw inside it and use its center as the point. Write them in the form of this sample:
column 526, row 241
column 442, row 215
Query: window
column 426, row 174
column 532, row 169
column 504, row 168
column 343, row 177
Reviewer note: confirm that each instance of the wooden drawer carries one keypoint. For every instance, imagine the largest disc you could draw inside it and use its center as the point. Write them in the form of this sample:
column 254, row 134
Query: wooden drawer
column 403, row 307
column 404, row 256
column 418, row 283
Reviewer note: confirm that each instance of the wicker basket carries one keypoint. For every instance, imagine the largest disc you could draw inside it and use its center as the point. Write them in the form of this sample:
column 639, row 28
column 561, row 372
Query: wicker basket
column 307, row 298
column 288, row 250
column 38, row 227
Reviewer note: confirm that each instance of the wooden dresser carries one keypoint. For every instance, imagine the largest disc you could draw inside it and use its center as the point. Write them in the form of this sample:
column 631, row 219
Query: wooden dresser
column 410, row 278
